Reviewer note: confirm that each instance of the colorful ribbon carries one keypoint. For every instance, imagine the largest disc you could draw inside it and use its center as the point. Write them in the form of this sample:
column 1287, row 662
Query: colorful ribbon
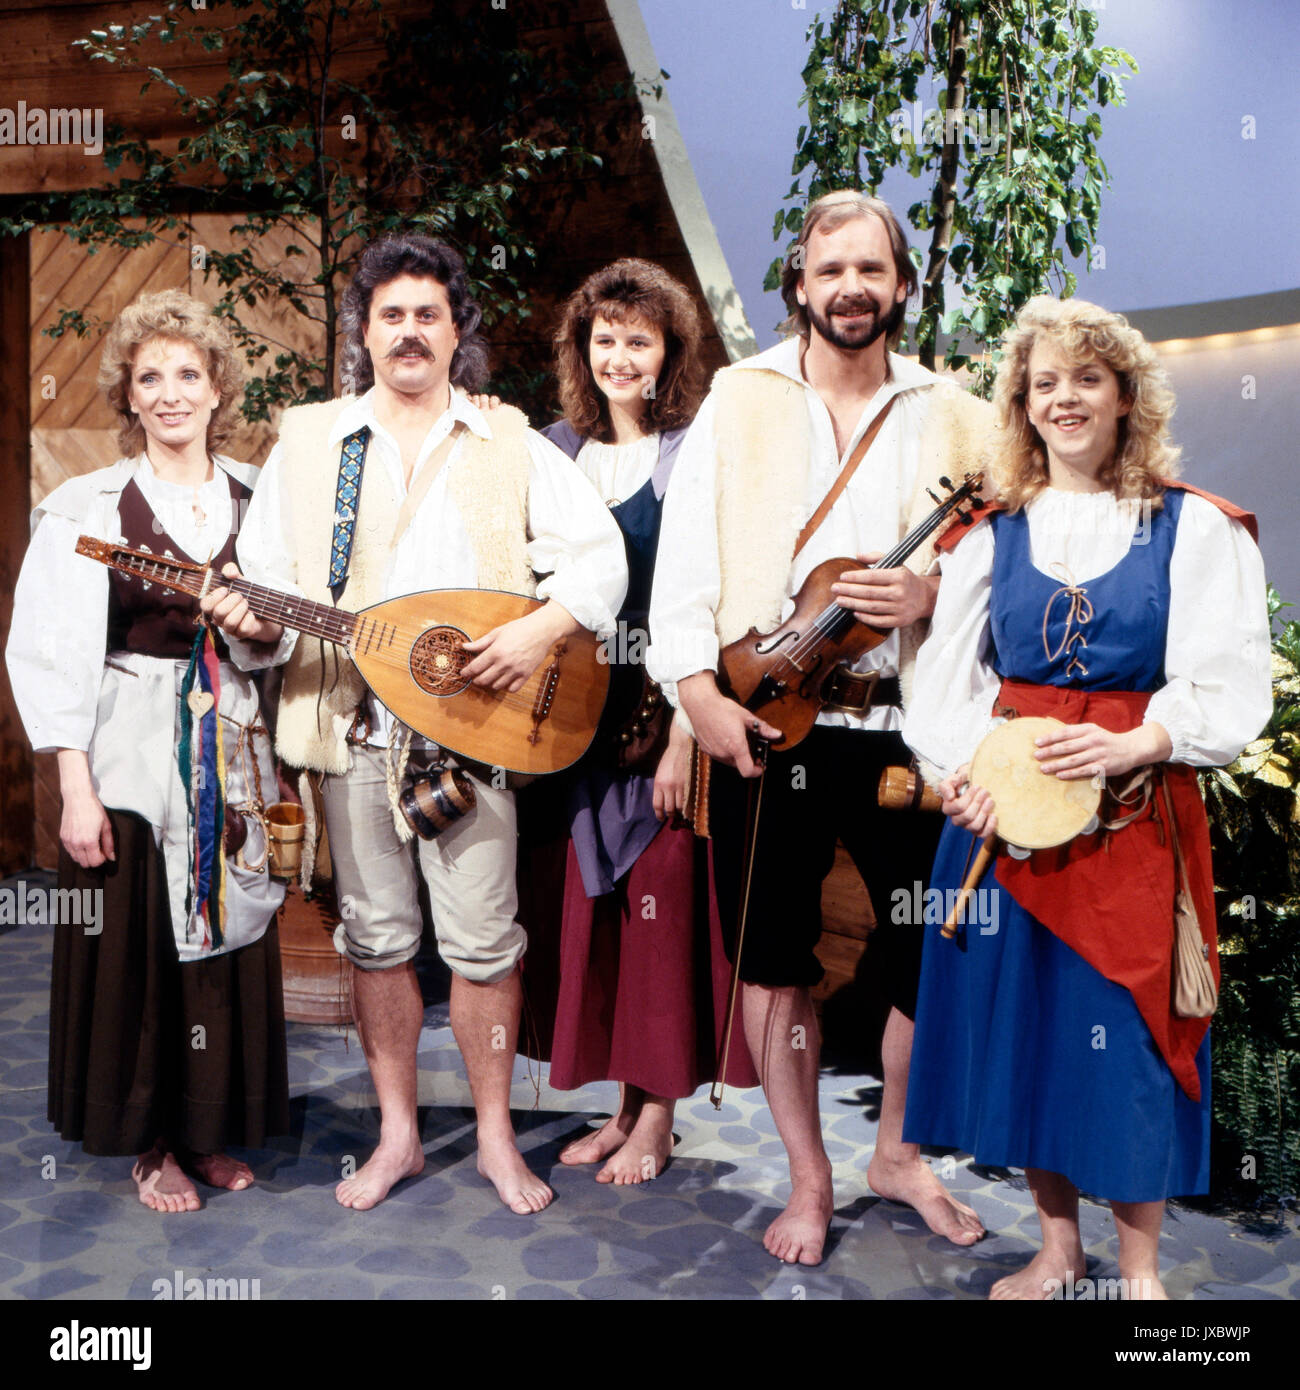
column 201, row 759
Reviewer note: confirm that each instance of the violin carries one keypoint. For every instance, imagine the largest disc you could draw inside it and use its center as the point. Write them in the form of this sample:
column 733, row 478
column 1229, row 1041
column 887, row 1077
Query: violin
column 783, row 676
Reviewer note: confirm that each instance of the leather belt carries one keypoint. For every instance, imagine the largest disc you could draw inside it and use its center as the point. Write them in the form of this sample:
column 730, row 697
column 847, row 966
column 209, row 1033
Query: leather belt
column 855, row 692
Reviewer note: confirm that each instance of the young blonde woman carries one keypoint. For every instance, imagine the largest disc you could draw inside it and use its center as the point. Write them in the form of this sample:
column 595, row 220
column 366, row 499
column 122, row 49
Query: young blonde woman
column 167, row 1025
column 639, row 978
column 1131, row 608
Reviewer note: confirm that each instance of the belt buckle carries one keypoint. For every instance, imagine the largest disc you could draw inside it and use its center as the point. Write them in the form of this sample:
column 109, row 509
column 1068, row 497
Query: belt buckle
column 840, row 677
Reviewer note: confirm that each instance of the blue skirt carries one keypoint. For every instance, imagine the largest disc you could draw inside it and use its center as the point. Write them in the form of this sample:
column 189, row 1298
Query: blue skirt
column 1025, row 1056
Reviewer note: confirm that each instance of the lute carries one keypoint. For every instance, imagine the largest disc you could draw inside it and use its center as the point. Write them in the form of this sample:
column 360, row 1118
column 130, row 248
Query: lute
column 409, row 652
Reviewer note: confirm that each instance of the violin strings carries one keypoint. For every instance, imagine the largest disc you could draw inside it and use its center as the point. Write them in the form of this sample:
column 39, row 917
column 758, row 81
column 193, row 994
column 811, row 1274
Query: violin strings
column 824, row 624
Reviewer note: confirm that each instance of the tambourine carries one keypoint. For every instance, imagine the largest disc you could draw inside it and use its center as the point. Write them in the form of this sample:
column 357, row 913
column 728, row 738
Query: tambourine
column 1034, row 810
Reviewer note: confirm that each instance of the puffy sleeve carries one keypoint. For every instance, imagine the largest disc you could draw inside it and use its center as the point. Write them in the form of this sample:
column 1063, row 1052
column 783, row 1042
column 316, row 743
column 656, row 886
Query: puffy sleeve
column 573, row 540
column 58, row 636
column 951, row 709
column 688, row 576
column 1218, row 693
column 265, row 559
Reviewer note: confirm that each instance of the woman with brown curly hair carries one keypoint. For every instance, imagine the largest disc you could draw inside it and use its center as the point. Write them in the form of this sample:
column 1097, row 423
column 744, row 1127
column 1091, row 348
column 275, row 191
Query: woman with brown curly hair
column 1130, row 608
column 641, row 973
column 166, row 1020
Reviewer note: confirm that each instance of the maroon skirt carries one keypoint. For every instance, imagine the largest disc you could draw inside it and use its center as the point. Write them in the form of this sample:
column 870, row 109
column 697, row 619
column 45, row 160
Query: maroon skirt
column 143, row 1046
column 630, row 986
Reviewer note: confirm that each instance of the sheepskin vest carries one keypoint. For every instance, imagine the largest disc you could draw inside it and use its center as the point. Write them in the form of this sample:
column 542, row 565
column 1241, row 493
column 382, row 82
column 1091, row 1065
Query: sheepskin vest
column 488, row 481
column 763, row 448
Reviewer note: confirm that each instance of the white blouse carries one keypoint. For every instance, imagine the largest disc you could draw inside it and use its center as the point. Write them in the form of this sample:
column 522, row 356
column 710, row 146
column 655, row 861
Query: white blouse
column 1218, row 665
column 865, row 518
column 199, row 535
column 125, row 715
column 617, row 471
column 572, row 539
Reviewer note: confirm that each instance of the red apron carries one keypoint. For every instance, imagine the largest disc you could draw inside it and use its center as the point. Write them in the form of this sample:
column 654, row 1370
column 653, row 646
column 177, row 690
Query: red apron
column 1110, row 896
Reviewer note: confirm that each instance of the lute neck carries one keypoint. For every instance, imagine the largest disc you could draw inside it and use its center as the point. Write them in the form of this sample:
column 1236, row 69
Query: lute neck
column 301, row 614
column 289, row 610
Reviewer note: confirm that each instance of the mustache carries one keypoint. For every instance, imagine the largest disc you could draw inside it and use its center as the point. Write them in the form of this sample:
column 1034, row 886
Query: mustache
column 854, row 306
column 408, row 345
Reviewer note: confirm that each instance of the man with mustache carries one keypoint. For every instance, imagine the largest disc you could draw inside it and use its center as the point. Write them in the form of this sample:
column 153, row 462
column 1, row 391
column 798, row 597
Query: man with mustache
column 404, row 488
column 765, row 451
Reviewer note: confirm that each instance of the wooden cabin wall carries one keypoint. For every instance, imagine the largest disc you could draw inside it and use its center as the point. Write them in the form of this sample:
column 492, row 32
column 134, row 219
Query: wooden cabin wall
column 17, row 823
column 56, row 424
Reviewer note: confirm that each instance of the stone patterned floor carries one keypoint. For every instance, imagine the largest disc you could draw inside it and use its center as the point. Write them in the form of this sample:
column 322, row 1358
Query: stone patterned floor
column 71, row 1227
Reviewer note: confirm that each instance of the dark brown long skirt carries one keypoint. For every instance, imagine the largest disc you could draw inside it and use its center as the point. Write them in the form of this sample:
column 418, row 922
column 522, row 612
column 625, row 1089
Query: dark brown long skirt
column 143, row 1047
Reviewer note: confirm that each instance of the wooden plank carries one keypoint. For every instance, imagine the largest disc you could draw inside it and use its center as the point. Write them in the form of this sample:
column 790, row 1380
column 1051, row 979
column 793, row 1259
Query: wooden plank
column 39, row 57
column 846, row 908
column 61, row 258
column 840, row 957
column 104, row 284
column 16, row 785
column 60, row 454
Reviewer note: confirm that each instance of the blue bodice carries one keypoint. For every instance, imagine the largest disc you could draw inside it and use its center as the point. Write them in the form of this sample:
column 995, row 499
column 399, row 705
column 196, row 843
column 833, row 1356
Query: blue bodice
column 1106, row 634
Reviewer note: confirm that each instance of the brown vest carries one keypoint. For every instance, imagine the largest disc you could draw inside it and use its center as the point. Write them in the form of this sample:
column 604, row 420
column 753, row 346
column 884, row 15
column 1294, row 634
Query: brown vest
column 143, row 617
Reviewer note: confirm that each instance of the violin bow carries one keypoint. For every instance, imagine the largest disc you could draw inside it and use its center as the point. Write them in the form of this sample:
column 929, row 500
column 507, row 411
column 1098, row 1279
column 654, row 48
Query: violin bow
column 759, row 747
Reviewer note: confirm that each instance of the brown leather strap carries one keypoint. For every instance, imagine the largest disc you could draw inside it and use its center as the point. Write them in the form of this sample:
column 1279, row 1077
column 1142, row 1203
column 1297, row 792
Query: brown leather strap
column 424, row 481
column 840, row 483
column 696, row 812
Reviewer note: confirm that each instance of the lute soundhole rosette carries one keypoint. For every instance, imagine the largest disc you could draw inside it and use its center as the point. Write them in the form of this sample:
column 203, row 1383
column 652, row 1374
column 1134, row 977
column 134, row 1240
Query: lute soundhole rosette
column 437, row 658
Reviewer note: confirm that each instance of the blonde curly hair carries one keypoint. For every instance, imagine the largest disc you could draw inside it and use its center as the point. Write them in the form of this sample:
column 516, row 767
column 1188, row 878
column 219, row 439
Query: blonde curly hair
column 1144, row 455
column 170, row 314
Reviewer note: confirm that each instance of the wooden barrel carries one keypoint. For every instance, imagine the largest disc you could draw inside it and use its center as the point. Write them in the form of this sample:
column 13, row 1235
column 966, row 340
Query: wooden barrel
column 316, row 977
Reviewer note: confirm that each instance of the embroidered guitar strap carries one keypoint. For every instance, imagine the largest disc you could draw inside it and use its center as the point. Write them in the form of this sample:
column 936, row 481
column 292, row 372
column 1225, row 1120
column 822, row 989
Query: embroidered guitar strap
column 346, row 498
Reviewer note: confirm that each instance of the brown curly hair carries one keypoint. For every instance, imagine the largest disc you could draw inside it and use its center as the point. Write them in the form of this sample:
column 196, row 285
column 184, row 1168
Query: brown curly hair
column 1084, row 332
column 170, row 314
column 626, row 290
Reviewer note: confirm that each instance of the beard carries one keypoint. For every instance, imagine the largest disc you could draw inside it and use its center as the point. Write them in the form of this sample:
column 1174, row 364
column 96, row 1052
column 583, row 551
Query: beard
column 863, row 337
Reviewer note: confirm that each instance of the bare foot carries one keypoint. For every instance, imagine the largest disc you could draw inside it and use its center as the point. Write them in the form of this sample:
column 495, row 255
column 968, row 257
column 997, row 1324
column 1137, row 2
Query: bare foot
column 220, row 1170
column 373, row 1181
column 501, row 1163
column 162, row 1183
column 609, row 1138
column 913, row 1183
column 799, row 1233
column 1046, row 1274
column 647, row 1149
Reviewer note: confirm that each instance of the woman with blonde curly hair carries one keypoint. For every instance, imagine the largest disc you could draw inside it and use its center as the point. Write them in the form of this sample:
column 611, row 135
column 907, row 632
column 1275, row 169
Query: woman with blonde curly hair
column 166, row 1020
column 626, row 967
column 1130, row 608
